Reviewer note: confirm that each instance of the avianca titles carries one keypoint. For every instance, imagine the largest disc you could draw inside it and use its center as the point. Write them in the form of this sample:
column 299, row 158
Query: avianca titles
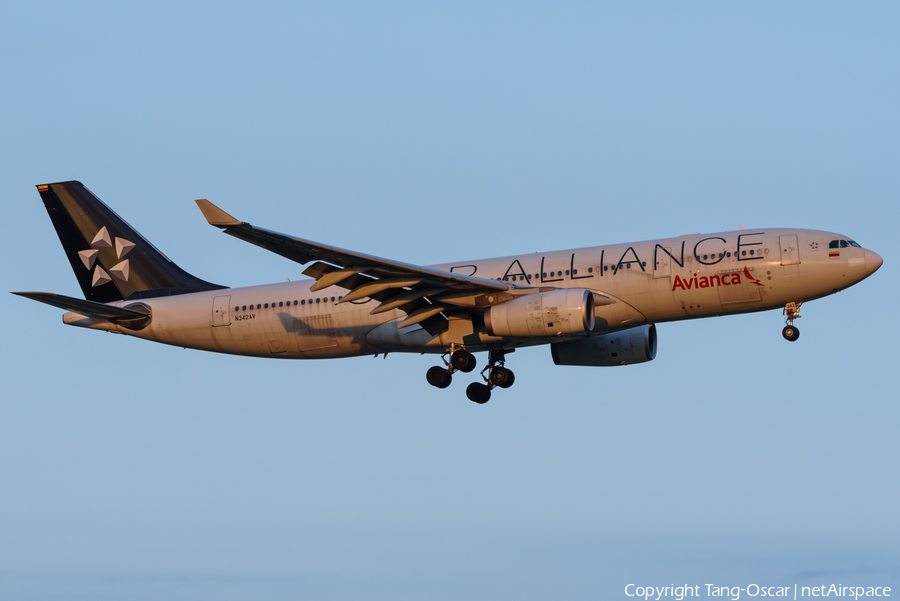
column 593, row 306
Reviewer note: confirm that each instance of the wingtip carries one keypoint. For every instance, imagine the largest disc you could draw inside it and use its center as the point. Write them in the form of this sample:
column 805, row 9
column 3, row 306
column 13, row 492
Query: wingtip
column 214, row 215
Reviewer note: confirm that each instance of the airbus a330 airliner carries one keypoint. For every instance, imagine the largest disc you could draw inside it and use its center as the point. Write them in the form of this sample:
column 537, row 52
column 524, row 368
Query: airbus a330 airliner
column 594, row 306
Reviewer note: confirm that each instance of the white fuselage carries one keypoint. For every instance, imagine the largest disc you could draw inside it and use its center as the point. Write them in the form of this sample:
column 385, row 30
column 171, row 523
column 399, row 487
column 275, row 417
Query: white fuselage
column 645, row 282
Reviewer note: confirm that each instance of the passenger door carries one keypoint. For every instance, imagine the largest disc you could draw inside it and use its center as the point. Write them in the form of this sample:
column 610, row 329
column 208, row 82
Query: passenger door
column 221, row 315
column 790, row 251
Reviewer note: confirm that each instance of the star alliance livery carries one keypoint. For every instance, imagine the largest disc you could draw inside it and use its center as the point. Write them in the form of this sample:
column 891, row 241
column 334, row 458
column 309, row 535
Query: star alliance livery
column 594, row 306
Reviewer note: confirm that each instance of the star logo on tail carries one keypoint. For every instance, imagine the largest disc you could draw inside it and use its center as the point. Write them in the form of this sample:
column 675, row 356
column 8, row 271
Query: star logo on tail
column 120, row 270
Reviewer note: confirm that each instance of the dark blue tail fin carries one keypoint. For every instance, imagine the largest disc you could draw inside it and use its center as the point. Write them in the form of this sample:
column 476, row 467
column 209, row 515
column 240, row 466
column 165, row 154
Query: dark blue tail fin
column 110, row 259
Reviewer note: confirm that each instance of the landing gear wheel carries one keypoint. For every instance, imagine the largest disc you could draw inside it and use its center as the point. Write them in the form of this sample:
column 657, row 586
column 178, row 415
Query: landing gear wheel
column 790, row 333
column 438, row 377
column 463, row 360
column 478, row 393
column 502, row 377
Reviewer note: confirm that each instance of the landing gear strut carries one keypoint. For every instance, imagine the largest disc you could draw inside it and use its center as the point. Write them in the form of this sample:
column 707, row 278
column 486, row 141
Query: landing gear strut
column 791, row 312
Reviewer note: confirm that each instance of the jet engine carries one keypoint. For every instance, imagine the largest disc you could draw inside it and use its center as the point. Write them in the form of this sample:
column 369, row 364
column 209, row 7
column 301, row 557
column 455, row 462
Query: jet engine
column 543, row 314
column 625, row 347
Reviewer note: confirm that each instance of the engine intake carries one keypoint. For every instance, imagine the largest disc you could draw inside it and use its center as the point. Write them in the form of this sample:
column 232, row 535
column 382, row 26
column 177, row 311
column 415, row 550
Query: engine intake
column 625, row 347
column 543, row 314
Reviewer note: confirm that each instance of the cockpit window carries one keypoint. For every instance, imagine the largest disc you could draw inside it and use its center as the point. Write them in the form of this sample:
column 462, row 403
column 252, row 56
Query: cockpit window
column 834, row 244
column 844, row 244
column 854, row 244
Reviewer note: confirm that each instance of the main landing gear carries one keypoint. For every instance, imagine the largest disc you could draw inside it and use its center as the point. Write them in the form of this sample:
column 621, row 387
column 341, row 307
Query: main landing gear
column 464, row 361
column 791, row 312
column 460, row 360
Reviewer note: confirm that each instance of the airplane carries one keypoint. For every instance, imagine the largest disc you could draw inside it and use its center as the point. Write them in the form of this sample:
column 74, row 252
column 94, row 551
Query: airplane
column 594, row 306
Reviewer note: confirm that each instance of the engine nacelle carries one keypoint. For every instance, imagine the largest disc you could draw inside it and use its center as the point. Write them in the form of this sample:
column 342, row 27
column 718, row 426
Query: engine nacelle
column 626, row 347
column 543, row 314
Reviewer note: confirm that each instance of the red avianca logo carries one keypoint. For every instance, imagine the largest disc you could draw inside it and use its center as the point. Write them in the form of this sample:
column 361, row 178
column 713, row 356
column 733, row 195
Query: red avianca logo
column 713, row 281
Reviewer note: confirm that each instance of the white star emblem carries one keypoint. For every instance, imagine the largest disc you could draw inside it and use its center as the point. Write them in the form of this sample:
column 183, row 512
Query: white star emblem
column 120, row 270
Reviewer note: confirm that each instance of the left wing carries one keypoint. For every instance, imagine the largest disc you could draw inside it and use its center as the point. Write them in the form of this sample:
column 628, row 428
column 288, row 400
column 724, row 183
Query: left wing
column 423, row 293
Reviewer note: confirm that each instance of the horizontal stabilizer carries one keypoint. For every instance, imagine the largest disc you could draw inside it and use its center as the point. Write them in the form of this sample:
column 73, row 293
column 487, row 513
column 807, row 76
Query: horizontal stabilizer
column 86, row 307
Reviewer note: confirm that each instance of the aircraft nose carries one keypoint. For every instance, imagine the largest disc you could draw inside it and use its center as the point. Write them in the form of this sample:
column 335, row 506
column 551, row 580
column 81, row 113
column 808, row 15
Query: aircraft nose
column 873, row 261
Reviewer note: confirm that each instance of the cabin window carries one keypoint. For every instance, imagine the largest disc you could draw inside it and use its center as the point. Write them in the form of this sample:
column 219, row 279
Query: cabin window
column 244, row 308
column 295, row 303
column 238, row 308
column 751, row 252
column 590, row 270
column 318, row 300
column 644, row 264
column 574, row 272
column 279, row 304
column 567, row 272
column 267, row 305
column 332, row 299
column 303, row 301
column 606, row 268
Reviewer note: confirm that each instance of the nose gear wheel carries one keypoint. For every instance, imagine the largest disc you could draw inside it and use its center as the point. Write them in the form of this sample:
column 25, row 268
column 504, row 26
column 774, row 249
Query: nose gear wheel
column 791, row 312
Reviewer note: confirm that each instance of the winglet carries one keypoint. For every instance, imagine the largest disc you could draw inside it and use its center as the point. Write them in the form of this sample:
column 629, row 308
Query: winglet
column 214, row 215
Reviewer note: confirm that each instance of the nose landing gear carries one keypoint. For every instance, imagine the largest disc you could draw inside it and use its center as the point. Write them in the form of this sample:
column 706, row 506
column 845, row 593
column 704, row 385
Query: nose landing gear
column 791, row 312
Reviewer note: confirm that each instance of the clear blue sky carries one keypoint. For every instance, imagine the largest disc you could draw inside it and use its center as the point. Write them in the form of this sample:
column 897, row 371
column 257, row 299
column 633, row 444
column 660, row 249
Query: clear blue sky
column 431, row 132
